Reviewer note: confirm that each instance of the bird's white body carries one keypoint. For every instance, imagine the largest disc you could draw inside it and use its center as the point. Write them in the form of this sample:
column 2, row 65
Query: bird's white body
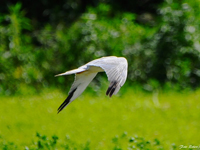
column 115, row 68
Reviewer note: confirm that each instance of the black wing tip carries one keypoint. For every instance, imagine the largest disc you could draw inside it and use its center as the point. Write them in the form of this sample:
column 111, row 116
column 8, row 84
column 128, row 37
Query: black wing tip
column 58, row 111
column 67, row 100
column 111, row 88
column 62, row 106
column 112, row 91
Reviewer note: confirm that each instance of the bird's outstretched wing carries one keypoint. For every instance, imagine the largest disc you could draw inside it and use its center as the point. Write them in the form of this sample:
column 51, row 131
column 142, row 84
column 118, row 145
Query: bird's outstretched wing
column 82, row 79
column 116, row 70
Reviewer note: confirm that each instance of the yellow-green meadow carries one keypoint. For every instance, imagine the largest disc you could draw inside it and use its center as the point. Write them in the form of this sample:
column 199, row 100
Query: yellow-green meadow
column 157, row 120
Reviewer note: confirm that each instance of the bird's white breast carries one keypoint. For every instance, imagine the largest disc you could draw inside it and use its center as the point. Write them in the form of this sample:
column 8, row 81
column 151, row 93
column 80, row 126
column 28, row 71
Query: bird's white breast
column 95, row 69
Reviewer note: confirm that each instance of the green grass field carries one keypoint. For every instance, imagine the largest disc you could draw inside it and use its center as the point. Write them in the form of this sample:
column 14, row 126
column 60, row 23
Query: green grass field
column 159, row 120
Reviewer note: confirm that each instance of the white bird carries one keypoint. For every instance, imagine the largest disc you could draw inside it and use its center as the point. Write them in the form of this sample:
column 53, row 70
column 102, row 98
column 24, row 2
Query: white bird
column 116, row 71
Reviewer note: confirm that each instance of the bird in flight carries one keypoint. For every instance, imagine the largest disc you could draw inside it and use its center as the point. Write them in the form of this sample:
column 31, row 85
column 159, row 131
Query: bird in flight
column 114, row 67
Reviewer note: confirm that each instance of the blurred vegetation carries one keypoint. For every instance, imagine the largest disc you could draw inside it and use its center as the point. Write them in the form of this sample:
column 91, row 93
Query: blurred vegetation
column 45, row 143
column 161, row 42
column 134, row 120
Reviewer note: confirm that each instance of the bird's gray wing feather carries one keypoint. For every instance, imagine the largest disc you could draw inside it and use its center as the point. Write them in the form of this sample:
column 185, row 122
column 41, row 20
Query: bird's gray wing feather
column 116, row 70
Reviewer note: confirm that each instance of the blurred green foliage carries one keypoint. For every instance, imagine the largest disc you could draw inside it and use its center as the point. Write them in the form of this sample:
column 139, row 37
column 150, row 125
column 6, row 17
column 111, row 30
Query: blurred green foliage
column 176, row 45
column 161, row 51
column 42, row 12
column 45, row 143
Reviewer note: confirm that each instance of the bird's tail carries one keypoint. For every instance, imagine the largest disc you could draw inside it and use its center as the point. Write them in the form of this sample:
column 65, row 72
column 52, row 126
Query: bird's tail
column 74, row 71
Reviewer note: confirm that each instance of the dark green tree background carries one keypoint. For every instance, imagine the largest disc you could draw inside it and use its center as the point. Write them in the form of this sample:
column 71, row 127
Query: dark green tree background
column 39, row 39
